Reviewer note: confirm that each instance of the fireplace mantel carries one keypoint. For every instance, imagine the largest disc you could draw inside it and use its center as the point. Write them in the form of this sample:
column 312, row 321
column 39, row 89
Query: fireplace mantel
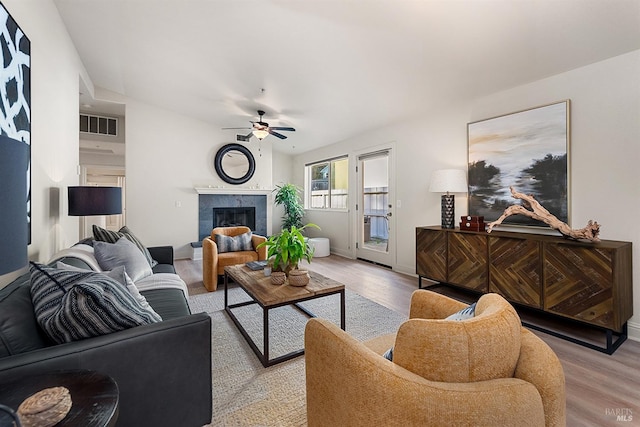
column 232, row 190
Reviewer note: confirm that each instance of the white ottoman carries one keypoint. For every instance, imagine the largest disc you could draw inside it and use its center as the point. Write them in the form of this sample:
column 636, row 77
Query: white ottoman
column 321, row 245
column 196, row 250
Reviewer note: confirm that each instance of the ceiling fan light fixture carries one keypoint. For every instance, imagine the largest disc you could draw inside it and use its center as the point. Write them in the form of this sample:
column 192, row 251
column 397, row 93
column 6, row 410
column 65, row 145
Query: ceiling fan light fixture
column 260, row 133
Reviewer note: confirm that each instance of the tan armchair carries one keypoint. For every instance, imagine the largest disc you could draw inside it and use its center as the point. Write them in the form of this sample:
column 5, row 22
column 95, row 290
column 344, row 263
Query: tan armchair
column 213, row 262
column 484, row 371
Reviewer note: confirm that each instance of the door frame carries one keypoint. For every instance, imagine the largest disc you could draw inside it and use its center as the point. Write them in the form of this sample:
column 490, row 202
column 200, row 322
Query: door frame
column 357, row 199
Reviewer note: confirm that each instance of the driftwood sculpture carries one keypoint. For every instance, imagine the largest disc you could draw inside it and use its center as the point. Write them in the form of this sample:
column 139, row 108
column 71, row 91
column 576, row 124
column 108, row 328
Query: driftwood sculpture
column 590, row 232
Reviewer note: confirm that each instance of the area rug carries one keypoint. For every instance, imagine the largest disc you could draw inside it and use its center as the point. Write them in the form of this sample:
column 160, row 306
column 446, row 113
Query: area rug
column 247, row 394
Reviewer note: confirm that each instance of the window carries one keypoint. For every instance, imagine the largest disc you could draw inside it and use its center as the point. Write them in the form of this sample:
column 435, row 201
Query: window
column 327, row 184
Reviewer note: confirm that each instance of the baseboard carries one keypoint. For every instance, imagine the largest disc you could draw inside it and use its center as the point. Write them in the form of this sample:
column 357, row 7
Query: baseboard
column 406, row 269
column 342, row 253
column 633, row 331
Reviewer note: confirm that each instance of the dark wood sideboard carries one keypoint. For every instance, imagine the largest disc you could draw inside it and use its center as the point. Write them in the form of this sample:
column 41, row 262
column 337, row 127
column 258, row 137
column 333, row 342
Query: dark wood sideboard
column 590, row 283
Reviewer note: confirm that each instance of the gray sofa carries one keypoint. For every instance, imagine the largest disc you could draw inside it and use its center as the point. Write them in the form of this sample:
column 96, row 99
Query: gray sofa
column 163, row 370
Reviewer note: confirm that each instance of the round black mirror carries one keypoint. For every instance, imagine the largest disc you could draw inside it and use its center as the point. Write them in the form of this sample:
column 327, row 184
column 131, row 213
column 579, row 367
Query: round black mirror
column 235, row 164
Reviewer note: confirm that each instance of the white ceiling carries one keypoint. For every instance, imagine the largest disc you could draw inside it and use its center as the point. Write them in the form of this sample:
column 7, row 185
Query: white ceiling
column 333, row 69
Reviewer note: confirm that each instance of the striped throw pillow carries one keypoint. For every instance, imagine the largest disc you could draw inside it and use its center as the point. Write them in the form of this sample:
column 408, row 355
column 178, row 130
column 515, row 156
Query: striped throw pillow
column 241, row 242
column 464, row 314
column 120, row 276
column 72, row 305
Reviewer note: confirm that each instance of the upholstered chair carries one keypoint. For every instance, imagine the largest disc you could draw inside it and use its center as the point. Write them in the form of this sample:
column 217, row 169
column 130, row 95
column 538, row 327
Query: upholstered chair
column 215, row 259
column 484, row 371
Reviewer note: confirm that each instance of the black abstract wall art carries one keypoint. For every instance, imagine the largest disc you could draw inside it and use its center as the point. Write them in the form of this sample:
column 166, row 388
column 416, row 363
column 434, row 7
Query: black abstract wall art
column 15, row 90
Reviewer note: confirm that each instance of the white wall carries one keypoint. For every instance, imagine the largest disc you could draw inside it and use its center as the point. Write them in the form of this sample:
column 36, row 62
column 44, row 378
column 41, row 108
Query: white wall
column 55, row 72
column 605, row 154
column 281, row 175
column 167, row 156
column 442, row 145
column 604, row 151
column 106, row 142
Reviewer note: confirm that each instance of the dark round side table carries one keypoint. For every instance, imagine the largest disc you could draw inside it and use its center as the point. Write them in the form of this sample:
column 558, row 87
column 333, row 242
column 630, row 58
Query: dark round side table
column 94, row 396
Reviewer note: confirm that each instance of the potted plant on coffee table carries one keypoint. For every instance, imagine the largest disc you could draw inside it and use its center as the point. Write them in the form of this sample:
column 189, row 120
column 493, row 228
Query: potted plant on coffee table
column 285, row 250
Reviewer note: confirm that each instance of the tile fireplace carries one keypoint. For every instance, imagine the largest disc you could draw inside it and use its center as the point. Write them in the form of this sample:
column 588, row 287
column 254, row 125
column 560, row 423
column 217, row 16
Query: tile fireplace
column 232, row 209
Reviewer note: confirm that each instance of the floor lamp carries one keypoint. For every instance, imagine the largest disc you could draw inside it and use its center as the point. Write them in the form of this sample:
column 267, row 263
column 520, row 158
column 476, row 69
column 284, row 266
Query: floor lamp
column 14, row 227
column 448, row 181
column 94, row 201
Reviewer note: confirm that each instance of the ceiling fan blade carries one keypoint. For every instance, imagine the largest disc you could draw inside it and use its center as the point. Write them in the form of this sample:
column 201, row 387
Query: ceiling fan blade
column 276, row 134
column 234, row 128
column 282, row 128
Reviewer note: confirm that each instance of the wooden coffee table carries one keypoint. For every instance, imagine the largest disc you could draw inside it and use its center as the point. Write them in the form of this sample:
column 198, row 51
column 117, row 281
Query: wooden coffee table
column 270, row 296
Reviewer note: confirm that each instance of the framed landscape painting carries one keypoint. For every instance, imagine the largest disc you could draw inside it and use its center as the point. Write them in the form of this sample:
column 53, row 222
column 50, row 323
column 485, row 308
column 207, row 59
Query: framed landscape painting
column 527, row 150
column 15, row 90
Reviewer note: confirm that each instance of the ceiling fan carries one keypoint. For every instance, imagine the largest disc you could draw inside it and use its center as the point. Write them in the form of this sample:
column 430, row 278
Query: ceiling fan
column 262, row 129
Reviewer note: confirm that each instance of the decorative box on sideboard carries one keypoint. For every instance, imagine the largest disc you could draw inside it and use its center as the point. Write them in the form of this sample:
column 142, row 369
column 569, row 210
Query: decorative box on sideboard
column 587, row 282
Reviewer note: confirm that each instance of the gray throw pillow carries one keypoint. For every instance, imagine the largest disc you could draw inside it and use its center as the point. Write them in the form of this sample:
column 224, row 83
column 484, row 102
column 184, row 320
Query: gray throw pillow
column 129, row 235
column 241, row 242
column 73, row 305
column 125, row 253
column 103, row 235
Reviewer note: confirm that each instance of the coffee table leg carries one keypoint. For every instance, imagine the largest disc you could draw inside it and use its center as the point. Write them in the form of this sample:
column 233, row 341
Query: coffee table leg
column 226, row 286
column 342, row 310
column 265, row 322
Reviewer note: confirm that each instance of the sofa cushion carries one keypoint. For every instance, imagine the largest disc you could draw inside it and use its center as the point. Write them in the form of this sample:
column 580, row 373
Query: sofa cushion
column 484, row 347
column 19, row 330
column 168, row 303
column 73, row 305
column 233, row 258
column 123, row 252
column 241, row 242
column 164, row 268
column 103, row 235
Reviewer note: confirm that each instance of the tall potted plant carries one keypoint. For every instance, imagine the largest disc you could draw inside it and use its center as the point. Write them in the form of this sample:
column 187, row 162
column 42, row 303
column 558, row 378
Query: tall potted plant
column 288, row 196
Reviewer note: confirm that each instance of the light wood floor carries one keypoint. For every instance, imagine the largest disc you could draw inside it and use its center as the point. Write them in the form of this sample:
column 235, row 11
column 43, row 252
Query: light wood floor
column 598, row 386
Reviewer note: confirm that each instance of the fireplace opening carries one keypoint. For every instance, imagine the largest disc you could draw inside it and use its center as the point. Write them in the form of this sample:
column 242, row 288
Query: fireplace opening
column 232, row 217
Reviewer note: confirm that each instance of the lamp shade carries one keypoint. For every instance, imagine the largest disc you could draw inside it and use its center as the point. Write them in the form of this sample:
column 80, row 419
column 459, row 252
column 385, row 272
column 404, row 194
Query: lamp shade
column 85, row 201
column 260, row 133
column 14, row 227
column 448, row 181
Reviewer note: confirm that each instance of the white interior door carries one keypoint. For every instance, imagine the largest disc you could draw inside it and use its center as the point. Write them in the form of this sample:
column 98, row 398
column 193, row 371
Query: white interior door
column 374, row 208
